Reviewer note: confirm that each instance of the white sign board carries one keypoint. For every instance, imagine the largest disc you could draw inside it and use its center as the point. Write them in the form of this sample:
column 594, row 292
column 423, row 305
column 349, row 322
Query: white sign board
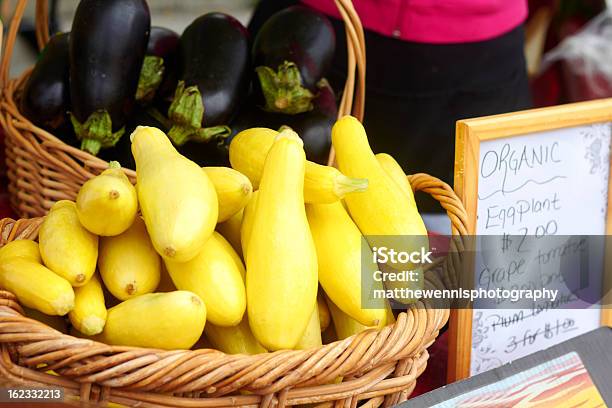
column 535, row 188
column 549, row 183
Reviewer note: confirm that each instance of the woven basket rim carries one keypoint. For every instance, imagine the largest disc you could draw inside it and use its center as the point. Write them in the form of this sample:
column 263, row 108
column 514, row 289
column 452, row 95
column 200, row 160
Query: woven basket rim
column 288, row 377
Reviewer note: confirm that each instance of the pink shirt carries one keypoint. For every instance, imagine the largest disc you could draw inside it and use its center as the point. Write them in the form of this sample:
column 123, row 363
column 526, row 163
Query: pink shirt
column 435, row 21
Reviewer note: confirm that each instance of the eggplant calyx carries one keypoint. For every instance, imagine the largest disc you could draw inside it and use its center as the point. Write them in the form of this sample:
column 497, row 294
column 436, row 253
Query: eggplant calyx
column 96, row 132
column 283, row 90
column 179, row 135
column 186, row 113
column 151, row 76
column 187, row 108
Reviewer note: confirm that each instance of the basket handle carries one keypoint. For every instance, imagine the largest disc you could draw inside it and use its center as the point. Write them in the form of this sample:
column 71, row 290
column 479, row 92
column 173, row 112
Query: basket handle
column 353, row 97
column 42, row 23
column 42, row 34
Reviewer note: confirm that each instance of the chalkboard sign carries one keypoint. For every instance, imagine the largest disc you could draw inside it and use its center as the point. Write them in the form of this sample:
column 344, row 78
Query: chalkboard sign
column 536, row 173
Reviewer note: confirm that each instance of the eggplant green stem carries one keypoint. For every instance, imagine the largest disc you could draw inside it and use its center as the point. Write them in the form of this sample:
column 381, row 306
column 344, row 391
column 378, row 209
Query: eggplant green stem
column 283, row 90
column 158, row 116
column 187, row 108
column 151, row 76
column 186, row 113
column 96, row 132
column 344, row 185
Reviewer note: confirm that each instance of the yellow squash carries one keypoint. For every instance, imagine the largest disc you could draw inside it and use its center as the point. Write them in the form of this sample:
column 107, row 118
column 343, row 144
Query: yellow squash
column 322, row 184
column 128, row 263
column 107, row 204
column 384, row 209
column 312, row 334
column 324, row 317
column 173, row 320
column 233, row 189
column 66, row 247
column 281, row 258
column 247, row 223
column 216, row 275
column 36, row 286
column 22, row 248
column 233, row 340
column 177, row 199
column 344, row 325
column 89, row 313
column 394, row 170
column 230, row 230
column 339, row 252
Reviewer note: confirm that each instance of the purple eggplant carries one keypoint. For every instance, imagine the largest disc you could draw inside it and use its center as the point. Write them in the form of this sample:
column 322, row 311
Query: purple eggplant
column 215, row 77
column 158, row 76
column 292, row 52
column 46, row 95
column 107, row 48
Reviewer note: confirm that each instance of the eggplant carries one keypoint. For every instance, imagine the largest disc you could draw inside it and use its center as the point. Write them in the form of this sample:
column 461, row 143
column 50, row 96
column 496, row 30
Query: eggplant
column 314, row 127
column 107, row 48
column 214, row 64
column 46, row 95
column 292, row 52
column 158, row 76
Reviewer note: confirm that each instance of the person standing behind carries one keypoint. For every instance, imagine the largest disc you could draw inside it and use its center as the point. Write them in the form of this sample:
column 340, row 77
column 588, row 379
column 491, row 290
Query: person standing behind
column 429, row 64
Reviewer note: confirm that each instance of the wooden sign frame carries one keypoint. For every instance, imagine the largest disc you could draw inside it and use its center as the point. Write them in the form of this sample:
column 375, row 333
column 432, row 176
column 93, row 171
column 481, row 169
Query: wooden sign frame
column 470, row 133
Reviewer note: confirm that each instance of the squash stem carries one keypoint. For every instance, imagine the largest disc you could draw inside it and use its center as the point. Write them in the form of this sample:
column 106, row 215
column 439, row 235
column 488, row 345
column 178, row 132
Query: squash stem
column 344, row 185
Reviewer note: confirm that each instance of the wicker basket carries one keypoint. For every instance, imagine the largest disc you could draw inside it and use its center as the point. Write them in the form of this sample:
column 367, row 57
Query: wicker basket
column 378, row 366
